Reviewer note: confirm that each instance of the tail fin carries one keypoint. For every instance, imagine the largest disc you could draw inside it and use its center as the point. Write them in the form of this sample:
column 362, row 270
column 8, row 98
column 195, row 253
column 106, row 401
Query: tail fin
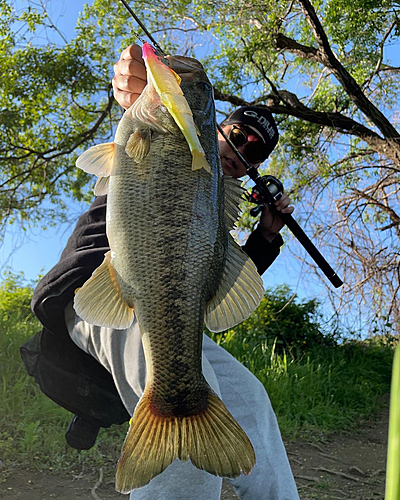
column 212, row 440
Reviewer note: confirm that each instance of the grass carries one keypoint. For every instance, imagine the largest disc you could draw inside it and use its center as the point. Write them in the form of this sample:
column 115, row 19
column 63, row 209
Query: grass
column 328, row 389
column 32, row 426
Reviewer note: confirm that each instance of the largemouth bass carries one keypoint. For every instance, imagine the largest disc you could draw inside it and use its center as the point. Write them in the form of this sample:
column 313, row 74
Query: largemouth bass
column 174, row 265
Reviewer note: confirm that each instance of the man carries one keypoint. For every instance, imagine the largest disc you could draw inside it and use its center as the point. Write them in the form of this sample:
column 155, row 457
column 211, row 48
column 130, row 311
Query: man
column 254, row 132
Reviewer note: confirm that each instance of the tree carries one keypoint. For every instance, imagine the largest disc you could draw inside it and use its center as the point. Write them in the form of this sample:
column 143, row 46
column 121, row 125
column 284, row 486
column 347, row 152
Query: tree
column 323, row 68
column 54, row 100
column 339, row 151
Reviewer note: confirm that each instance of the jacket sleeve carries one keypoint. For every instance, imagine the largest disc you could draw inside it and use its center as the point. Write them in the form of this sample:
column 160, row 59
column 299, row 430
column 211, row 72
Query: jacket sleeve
column 83, row 253
column 261, row 251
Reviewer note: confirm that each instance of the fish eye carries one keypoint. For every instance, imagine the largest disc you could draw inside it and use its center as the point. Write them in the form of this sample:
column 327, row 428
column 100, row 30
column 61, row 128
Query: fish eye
column 204, row 86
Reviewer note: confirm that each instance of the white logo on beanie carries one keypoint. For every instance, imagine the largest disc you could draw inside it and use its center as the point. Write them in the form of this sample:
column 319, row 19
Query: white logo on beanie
column 262, row 121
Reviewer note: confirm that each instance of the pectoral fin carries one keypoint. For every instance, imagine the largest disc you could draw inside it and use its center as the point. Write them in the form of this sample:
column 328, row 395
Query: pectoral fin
column 98, row 160
column 239, row 293
column 138, row 144
column 99, row 301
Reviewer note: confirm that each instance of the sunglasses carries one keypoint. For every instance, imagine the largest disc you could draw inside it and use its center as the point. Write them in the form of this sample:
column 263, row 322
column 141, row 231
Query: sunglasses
column 254, row 151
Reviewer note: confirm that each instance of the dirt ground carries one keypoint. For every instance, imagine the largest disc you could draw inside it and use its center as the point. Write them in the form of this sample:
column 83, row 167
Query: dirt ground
column 344, row 467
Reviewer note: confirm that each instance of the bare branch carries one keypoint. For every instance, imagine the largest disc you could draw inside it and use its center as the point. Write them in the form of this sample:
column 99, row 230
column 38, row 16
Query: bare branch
column 380, row 59
column 325, row 56
column 52, row 25
column 373, row 201
column 337, row 121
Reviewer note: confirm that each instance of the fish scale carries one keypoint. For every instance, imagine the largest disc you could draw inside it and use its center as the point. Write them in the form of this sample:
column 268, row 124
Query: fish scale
column 174, row 266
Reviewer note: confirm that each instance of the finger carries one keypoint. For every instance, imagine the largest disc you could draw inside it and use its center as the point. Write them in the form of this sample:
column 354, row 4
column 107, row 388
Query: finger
column 283, row 202
column 131, row 67
column 130, row 64
column 288, row 210
column 132, row 52
column 125, row 99
column 268, row 216
column 128, row 83
column 127, row 89
column 130, row 76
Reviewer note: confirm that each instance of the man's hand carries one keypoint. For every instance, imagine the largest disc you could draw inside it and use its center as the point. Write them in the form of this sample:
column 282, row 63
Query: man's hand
column 130, row 76
column 270, row 223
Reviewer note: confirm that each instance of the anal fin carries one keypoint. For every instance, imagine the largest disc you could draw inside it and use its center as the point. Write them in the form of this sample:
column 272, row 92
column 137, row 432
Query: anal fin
column 99, row 300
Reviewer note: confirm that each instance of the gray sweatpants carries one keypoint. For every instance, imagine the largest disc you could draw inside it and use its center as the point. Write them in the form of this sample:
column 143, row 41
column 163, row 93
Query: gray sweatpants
column 121, row 353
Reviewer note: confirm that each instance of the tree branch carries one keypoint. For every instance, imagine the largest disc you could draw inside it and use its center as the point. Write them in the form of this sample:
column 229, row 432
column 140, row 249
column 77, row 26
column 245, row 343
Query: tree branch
column 325, row 56
column 292, row 106
column 84, row 136
column 373, row 201
column 380, row 59
column 304, row 51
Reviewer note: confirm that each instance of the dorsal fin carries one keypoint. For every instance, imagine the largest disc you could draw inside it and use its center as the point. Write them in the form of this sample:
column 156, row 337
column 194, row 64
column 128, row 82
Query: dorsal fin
column 233, row 196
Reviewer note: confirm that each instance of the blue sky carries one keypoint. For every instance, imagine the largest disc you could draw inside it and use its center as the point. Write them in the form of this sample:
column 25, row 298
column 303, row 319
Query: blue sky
column 37, row 252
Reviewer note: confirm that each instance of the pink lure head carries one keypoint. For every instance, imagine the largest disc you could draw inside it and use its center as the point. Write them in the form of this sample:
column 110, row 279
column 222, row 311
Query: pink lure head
column 148, row 52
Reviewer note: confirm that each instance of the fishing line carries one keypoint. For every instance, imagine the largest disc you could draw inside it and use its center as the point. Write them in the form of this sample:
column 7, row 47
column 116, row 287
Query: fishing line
column 159, row 49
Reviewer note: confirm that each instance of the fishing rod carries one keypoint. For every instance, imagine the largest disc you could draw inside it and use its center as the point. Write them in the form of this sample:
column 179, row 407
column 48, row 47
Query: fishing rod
column 153, row 41
column 267, row 189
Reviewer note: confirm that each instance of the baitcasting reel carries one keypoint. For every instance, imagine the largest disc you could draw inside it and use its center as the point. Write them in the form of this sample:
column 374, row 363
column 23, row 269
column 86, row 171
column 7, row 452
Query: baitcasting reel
column 267, row 189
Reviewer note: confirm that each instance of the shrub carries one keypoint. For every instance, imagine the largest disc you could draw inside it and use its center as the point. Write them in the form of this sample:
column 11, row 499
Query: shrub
column 281, row 320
